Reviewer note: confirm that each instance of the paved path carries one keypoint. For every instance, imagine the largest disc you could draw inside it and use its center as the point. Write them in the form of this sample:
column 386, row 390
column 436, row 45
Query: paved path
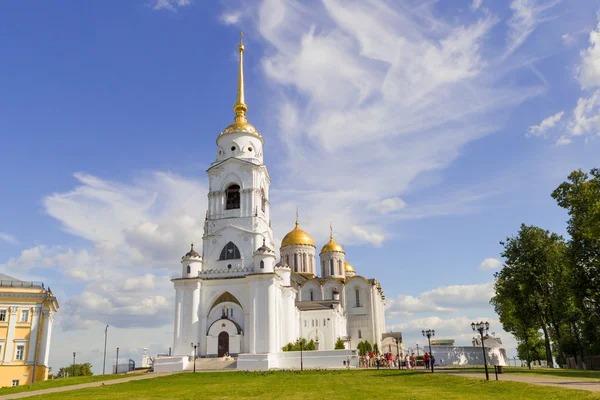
column 135, row 377
column 580, row 384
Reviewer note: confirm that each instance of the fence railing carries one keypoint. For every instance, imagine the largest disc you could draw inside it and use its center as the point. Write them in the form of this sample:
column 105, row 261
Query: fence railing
column 591, row 362
column 21, row 284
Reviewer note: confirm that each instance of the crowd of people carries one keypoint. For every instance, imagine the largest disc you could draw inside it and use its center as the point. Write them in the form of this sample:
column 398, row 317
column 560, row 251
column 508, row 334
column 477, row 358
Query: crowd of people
column 403, row 360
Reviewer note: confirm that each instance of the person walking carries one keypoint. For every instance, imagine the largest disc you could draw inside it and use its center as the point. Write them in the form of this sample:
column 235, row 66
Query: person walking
column 426, row 359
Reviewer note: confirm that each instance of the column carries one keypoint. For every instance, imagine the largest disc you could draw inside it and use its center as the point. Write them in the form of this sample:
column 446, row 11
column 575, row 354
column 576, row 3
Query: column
column 271, row 318
column 195, row 317
column 32, row 346
column 9, row 344
column 177, row 322
column 47, row 335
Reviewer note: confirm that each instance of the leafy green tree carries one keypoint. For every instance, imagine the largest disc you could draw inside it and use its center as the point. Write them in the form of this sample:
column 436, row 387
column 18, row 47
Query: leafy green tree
column 580, row 196
column 300, row 344
column 531, row 286
column 339, row 344
column 534, row 349
column 361, row 348
column 376, row 349
column 368, row 347
column 84, row 369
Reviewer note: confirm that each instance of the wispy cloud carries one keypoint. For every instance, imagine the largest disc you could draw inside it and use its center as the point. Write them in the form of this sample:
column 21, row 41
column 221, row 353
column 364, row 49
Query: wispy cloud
column 527, row 16
column 170, row 5
column 8, row 238
column 589, row 69
column 490, row 263
column 545, row 125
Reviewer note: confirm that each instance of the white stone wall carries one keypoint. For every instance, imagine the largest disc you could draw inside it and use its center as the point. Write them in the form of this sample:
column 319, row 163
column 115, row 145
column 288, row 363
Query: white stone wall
column 300, row 258
column 339, row 269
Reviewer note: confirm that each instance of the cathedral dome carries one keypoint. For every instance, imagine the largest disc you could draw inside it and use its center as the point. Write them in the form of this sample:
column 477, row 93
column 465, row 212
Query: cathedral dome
column 191, row 253
column 297, row 236
column 348, row 267
column 332, row 247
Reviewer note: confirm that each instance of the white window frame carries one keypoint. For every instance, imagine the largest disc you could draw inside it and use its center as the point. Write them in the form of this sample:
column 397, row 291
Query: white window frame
column 17, row 352
column 24, row 312
column 15, row 382
column 4, row 312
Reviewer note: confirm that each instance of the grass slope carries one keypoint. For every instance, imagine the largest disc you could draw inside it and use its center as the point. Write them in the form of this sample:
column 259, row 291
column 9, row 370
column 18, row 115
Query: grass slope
column 541, row 372
column 52, row 383
column 361, row 384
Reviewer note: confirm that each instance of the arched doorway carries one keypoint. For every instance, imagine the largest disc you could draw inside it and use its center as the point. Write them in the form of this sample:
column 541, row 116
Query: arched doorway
column 223, row 344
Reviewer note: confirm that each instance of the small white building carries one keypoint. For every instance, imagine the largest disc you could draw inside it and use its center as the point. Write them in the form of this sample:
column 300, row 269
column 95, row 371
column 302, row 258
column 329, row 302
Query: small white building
column 236, row 299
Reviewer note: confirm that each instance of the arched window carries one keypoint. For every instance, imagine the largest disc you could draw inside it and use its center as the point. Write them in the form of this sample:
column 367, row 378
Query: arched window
column 262, row 264
column 323, row 267
column 359, row 334
column 233, row 197
column 230, row 252
column 189, row 269
column 295, row 262
column 304, row 266
column 312, row 295
column 331, row 271
column 263, row 200
column 357, row 292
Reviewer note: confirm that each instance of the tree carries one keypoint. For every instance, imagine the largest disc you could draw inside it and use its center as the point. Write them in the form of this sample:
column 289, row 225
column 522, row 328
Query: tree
column 534, row 349
column 376, row 349
column 300, row 344
column 580, row 196
column 361, row 348
column 368, row 347
column 530, row 286
column 339, row 344
column 84, row 369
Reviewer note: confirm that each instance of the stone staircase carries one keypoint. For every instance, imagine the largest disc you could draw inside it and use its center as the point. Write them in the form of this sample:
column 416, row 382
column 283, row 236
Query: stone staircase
column 213, row 364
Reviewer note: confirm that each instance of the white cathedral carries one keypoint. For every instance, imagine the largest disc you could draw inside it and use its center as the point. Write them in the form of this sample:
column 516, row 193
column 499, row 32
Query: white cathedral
column 236, row 299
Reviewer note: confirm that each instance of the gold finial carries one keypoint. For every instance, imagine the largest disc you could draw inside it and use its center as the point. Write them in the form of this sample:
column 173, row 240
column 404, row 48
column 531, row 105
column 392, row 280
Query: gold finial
column 192, row 245
column 330, row 230
column 296, row 215
column 240, row 106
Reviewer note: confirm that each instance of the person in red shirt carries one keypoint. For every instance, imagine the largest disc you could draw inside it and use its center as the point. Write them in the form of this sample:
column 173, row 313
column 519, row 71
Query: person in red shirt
column 426, row 358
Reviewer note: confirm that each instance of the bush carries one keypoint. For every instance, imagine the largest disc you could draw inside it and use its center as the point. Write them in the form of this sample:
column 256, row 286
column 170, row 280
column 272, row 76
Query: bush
column 339, row 344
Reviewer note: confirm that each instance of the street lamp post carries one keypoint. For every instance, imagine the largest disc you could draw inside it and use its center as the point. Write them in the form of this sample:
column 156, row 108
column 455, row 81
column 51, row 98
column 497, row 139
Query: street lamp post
column 117, row 363
column 417, row 350
column 195, row 346
column 482, row 327
column 104, row 362
column 301, row 360
column 398, row 351
column 429, row 333
column 73, row 369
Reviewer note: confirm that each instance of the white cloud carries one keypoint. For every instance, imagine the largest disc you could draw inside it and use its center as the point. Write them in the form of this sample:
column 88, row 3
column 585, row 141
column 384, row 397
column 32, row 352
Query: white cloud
column 231, row 18
column 170, row 5
column 490, row 263
column 527, row 16
column 589, row 69
column 447, row 299
column 476, row 4
column 563, row 141
column 546, row 124
column 8, row 238
column 586, row 115
column 388, row 205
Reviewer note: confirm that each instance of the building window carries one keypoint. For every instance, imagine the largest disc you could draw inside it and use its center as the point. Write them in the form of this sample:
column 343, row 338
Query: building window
column 331, row 271
column 230, row 252
column 2, row 315
column 189, row 269
column 312, row 295
column 295, row 262
column 340, row 266
column 233, row 197
column 287, row 260
column 359, row 334
column 15, row 382
column 20, row 352
column 357, row 292
column 262, row 264
column 263, row 200
column 313, row 322
column 323, row 267
column 332, row 294
column 24, row 316
column 305, row 323
column 324, row 324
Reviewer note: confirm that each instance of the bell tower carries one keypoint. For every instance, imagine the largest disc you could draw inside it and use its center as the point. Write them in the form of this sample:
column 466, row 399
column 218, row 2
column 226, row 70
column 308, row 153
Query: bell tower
column 237, row 219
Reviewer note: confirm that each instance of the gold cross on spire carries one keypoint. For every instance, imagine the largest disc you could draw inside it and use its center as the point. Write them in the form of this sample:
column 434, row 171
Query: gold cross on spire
column 296, row 215
column 331, row 230
column 240, row 106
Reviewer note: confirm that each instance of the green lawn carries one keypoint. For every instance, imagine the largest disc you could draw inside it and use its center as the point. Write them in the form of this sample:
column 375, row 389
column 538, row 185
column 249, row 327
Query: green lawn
column 52, row 383
column 361, row 384
column 545, row 372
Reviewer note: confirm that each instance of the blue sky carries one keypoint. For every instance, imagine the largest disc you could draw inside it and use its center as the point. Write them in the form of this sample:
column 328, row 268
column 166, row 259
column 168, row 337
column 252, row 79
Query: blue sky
column 425, row 131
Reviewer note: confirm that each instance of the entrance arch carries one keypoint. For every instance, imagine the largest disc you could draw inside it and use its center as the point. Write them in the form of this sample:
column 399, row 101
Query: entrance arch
column 223, row 344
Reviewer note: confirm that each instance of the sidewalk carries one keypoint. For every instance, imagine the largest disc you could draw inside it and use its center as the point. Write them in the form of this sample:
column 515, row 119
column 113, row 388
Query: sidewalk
column 592, row 386
column 82, row 386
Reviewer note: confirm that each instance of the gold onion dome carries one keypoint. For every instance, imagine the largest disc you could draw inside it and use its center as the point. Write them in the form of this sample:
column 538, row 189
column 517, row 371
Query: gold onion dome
column 297, row 237
column 241, row 123
column 332, row 246
column 348, row 267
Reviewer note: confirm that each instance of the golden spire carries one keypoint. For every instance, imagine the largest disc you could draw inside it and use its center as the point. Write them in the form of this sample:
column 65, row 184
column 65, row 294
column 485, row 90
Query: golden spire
column 296, row 215
column 330, row 230
column 240, row 107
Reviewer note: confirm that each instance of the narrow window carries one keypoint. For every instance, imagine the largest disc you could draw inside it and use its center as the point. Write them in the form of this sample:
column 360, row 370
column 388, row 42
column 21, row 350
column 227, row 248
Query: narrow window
column 304, row 266
column 312, row 295
column 287, row 260
column 331, row 271
column 20, row 352
column 230, row 252
column 233, row 197
column 324, row 324
column 305, row 323
column 24, row 315
column 262, row 264
column 312, row 322
column 189, row 269
column 332, row 295
column 357, row 292
column 263, row 200
column 2, row 315
column 359, row 334
column 323, row 267
column 295, row 262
